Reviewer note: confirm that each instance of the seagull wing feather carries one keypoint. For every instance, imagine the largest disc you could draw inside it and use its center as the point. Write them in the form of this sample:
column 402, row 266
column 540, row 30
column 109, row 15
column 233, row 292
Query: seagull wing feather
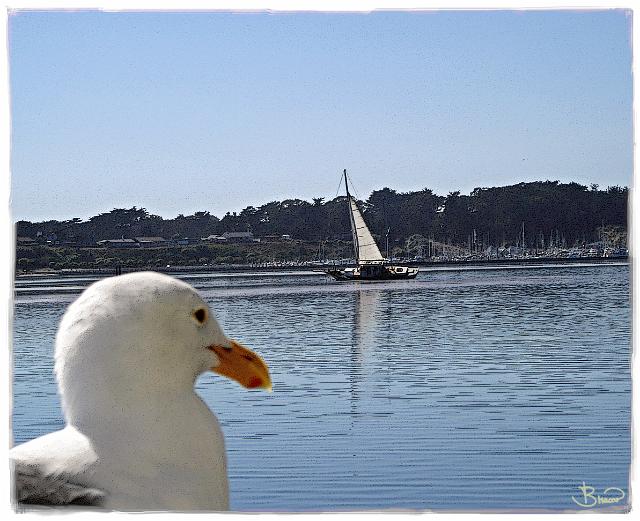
column 34, row 486
column 55, row 470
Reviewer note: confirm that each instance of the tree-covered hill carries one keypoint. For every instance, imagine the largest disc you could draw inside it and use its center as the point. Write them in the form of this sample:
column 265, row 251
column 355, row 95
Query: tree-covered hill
column 547, row 211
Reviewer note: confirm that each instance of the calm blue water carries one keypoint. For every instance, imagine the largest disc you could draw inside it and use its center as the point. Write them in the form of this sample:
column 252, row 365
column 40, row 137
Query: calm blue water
column 462, row 389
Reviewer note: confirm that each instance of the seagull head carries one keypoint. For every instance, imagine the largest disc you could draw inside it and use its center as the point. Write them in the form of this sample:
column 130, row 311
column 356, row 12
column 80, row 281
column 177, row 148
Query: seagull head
column 142, row 338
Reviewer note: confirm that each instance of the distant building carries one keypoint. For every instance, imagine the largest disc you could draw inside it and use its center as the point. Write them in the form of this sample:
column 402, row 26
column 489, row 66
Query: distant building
column 238, row 236
column 276, row 238
column 25, row 241
column 215, row 239
column 118, row 243
column 186, row 241
column 152, row 242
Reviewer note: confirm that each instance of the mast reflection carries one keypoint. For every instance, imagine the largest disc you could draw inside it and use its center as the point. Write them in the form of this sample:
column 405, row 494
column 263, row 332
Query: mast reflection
column 366, row 313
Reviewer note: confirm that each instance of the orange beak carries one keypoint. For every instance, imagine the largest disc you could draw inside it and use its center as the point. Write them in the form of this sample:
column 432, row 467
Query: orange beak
column 242, row 365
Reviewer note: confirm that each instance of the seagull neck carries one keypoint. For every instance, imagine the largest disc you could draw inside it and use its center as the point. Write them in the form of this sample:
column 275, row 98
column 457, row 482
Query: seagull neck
column 136, row 418
column 126, row 406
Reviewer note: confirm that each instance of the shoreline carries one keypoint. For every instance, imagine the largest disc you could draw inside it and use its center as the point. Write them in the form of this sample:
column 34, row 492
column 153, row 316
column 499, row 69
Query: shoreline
column 241, row 268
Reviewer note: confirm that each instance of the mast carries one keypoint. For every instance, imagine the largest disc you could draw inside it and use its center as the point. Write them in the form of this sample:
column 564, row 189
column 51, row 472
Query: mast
column 354, row 232
column 346, row 184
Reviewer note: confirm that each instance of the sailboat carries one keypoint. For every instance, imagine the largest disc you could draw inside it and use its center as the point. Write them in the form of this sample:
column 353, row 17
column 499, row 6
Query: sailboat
column 370, row 264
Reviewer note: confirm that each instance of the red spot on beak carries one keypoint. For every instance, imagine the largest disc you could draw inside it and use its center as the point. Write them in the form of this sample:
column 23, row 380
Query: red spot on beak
column 254, row 382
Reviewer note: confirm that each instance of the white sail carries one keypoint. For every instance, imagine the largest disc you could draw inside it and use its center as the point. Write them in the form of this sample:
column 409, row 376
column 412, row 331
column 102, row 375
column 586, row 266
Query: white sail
column 366, row 248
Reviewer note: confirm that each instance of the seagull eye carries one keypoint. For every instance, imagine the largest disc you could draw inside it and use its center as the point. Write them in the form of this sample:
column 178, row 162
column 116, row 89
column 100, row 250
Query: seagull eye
column 200, row 315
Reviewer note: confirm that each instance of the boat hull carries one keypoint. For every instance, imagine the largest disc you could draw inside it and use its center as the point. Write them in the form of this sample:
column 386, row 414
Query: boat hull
column 373, row 272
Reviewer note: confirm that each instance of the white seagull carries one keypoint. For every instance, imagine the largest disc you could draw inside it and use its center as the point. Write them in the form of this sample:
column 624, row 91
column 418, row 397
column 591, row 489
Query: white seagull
column 137, row 436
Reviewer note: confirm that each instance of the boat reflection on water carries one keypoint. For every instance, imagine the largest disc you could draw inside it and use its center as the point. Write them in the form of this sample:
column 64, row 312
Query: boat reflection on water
column 365, row 318
column 367, row 304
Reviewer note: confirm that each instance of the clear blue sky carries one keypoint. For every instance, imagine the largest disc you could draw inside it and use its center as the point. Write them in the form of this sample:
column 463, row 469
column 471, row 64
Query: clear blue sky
column 180, row 112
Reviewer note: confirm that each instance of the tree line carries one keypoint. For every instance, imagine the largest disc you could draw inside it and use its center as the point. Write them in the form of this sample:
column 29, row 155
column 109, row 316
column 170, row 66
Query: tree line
column 542, row 211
